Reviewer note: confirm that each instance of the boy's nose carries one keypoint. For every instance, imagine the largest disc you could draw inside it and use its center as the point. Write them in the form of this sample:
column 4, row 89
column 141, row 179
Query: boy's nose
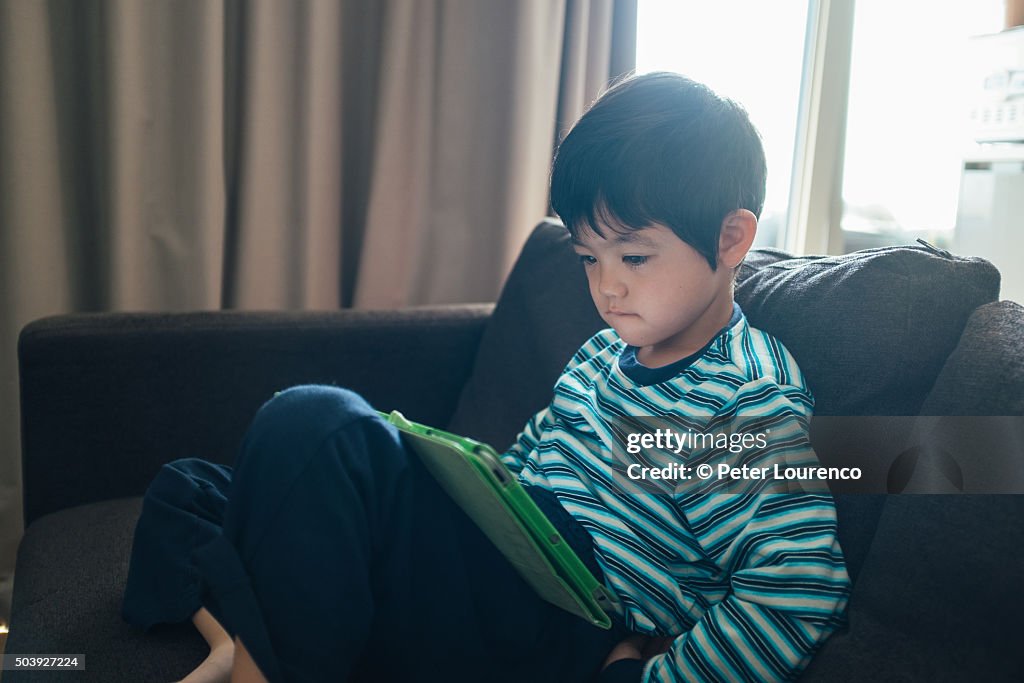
column 611, row 285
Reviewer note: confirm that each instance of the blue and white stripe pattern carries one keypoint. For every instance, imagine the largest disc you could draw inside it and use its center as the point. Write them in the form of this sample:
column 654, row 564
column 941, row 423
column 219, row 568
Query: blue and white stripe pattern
column 750, row 584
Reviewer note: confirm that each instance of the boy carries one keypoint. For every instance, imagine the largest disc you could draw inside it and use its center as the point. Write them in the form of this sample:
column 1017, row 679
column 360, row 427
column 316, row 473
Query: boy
column 660, row 184
column 339, row 558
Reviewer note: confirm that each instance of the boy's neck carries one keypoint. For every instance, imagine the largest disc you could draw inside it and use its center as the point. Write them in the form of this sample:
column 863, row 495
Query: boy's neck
column 692, row 339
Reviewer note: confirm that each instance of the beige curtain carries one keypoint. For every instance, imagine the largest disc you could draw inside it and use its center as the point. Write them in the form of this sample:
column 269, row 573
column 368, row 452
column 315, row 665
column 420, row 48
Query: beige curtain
column 193, row 154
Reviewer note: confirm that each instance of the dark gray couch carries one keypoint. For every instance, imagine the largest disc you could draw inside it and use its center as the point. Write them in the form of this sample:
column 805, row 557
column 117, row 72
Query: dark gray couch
column 907, row 331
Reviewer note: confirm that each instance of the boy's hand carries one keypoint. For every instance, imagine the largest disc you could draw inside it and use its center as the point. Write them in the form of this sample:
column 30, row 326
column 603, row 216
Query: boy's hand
column 639, row 647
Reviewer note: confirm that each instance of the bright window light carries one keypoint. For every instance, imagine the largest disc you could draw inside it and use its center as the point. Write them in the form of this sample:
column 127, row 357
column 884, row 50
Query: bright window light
column 907, row 114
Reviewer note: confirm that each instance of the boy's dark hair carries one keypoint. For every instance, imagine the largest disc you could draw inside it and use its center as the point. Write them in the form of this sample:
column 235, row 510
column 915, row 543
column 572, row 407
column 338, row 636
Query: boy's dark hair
column 660, row 148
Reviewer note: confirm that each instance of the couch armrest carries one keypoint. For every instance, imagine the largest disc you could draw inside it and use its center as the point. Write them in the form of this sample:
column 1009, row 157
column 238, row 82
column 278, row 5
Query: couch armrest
column 107, row 398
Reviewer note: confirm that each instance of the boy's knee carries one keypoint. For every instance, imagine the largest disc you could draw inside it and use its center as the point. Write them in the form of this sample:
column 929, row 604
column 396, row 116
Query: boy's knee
column 300, row 439
column 314, row 404
column 301, row 417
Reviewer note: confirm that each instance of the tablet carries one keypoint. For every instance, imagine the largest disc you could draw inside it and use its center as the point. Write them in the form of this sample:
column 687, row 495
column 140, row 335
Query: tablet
column 472, row 474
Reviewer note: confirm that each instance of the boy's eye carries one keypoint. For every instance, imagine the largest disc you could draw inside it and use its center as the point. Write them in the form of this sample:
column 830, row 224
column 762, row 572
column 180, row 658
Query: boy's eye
column 634, row 261
column 587, row 260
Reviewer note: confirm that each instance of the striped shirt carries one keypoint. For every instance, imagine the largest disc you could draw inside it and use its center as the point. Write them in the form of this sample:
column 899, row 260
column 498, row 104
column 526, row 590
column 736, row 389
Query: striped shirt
column 750, row 585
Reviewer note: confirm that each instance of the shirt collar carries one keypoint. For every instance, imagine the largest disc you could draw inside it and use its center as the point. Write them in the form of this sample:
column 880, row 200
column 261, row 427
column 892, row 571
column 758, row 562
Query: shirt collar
column 645, row 376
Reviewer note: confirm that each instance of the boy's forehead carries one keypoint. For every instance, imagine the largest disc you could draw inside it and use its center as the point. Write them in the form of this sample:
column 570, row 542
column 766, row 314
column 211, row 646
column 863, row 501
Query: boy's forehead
column 644, row 237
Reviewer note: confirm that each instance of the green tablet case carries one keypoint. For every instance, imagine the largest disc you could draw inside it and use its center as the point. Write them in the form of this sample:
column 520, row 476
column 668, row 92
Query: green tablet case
column 475, row 478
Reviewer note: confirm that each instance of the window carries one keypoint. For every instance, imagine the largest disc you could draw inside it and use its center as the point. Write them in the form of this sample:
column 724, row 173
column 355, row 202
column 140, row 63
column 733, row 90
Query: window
column 906, row 128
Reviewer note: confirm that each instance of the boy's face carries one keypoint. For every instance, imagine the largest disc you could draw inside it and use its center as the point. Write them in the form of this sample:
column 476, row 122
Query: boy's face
column 656, row 291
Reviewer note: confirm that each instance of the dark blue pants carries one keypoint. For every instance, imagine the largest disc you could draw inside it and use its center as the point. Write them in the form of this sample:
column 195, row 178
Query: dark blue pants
column 332, row 553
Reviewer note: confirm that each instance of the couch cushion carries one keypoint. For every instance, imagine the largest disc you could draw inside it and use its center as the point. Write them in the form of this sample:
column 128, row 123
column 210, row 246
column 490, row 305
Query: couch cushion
column 985, row 373
column 871, row 329
column 978, row 399
column 939, row 598
column 69, row 580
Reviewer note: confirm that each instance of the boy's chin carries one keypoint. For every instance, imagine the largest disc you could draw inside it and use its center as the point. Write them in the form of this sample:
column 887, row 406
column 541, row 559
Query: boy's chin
column 630, row 336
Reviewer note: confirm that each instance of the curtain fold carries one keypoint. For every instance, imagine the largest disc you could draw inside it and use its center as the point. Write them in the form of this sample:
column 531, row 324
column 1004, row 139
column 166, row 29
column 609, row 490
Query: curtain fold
column 184, row 155
column 468, row 102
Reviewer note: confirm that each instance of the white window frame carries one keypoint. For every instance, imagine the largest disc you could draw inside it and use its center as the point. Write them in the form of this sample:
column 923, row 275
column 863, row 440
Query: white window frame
column 814, row 223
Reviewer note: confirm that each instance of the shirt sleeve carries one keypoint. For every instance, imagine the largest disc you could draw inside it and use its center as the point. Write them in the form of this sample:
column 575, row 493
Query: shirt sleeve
column 516, row 456
column 788, row 584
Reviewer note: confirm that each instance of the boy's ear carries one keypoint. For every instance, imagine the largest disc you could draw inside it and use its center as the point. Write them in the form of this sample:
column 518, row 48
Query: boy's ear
column 736, row 236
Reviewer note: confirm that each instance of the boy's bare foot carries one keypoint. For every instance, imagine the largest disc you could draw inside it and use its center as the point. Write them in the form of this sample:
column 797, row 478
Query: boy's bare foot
column 216, row 668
